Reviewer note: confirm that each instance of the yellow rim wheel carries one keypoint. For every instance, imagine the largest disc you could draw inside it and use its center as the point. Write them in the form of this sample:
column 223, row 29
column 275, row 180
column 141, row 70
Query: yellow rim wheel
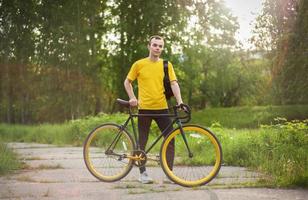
column 110, row 166
column 195, row 170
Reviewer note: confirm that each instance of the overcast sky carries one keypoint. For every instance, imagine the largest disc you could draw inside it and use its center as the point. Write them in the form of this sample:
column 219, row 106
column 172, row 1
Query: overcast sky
column 246, row 11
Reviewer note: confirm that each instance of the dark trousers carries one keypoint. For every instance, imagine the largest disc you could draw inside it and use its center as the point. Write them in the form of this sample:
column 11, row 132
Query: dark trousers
column 144, row 124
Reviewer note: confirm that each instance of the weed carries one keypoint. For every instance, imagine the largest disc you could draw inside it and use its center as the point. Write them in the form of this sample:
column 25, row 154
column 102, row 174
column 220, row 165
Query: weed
column 43, row 167
column 126, row 186
column 25, row 179
column 8, row 160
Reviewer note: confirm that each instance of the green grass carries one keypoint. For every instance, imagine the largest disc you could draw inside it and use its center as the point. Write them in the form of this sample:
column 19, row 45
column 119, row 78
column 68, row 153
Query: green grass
column 46, row 133
column 73, row 132
column 8, row 160
column 249, row 117
column 279, row 149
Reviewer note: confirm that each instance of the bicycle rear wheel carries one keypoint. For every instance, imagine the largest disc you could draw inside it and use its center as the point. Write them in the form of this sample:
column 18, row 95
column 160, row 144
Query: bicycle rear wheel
column 113, row 165
column 202, row 166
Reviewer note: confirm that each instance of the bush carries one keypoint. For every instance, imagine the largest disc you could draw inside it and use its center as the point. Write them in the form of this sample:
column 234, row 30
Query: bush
column 80, row 128
column 284, row 148
column 279, row 150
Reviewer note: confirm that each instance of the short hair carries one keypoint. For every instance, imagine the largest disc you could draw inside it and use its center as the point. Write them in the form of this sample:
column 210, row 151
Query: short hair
column 157, row 37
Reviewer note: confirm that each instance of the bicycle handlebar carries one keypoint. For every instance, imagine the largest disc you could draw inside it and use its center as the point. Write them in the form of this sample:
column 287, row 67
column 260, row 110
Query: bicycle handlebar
column 186, row 109
column 182, row 106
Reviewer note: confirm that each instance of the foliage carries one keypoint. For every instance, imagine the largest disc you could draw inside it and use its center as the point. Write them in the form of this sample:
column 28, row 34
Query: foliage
column 248, row 117
column 73, row 132
column 8, row 160
column 278, row 150
column 293, row 77
column 288, row 149
column 274, row 22
column 65, row 60
column 80, row 128
column 50, row 60
column 281, row 30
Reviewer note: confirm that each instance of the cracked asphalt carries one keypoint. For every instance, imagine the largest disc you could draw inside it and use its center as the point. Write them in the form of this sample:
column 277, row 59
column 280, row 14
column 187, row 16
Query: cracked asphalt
column 60, row 173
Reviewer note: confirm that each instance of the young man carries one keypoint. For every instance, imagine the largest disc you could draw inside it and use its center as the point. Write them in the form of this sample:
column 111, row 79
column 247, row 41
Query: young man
column 151, row 98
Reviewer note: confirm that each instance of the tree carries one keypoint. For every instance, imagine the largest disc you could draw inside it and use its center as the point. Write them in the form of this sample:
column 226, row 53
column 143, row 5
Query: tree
column 280, row 30
column 210, row 29
column 294, row 74
column 68, row 59
column 133, row 23
column 17, row 48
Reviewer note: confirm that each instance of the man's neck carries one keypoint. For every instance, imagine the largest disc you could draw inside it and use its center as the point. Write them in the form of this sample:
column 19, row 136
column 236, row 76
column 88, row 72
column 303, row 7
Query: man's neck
column 153, row 58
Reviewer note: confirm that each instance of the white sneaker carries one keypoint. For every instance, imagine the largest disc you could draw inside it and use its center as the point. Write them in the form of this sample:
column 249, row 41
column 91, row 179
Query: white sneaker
column 145, row 179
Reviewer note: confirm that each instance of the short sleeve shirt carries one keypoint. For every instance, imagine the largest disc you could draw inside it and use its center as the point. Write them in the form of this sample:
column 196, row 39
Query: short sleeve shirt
column 150, row 76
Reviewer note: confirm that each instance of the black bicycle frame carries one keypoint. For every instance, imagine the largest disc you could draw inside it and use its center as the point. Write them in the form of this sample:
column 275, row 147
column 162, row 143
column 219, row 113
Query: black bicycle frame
column 131, row 119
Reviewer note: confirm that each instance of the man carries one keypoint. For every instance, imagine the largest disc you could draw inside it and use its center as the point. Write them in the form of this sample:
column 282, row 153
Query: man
column 151, row 98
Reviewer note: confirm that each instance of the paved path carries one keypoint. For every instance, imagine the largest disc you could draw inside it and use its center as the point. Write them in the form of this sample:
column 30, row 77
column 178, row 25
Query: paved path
column 59, row 173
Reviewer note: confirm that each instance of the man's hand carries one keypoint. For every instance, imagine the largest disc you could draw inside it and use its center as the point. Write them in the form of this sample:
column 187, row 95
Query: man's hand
column 184, row 107
column 133, row 102
column 179, row 103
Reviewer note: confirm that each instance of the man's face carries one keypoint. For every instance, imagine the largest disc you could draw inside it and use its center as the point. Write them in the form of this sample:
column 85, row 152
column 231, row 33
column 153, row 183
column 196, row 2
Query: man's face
column 156, row 47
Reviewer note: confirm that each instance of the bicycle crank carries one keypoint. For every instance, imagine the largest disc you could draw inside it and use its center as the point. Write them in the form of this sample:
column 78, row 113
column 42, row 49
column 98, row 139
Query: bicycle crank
column 139, row 157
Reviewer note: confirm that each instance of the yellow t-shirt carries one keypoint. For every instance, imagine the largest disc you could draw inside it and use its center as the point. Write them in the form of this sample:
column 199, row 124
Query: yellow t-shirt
column 150, row 76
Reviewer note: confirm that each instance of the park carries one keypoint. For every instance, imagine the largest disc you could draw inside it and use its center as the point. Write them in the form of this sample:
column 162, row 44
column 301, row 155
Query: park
column 64, row 64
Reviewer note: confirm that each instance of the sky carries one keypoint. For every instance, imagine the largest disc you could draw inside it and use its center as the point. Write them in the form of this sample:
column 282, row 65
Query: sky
column 246, row 11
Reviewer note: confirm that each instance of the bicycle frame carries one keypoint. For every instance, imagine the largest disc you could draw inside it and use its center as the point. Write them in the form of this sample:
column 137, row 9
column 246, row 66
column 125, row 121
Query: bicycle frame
column 131, row 117
column 122, row 149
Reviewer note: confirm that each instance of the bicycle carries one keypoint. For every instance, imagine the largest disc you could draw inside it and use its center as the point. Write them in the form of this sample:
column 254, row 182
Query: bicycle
column 110, row 151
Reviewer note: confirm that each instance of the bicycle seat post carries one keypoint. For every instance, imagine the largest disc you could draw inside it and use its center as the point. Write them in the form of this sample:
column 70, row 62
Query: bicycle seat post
column 131, row 117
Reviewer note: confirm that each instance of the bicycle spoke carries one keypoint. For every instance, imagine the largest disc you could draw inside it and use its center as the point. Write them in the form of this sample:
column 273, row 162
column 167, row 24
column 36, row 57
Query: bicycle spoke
column 205, row 163
column 113, row 165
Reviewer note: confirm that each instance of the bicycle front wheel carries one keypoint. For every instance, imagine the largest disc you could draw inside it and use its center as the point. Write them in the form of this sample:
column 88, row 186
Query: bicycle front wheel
column 197, row 168
column 106, row 152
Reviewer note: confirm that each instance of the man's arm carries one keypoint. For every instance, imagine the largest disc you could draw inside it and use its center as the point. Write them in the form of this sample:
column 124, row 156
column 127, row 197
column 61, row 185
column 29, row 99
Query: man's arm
column 176, row 91
column 130, row 92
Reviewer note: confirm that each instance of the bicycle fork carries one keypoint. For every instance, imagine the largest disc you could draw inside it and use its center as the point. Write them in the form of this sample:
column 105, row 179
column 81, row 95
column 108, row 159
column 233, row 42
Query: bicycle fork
column 190, row 154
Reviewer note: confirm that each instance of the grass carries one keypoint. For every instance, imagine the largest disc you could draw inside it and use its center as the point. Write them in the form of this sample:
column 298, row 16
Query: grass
column 8, row 160
column 26, row 179
column 43, row 167
column 278, row 149
column 249, row 117
column 143, row 189
column 59, row 134
column 73, row 132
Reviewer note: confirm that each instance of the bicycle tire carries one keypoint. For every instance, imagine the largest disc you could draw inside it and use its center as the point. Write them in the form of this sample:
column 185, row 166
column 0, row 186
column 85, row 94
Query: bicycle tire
column 205, row 163
column 108, row 168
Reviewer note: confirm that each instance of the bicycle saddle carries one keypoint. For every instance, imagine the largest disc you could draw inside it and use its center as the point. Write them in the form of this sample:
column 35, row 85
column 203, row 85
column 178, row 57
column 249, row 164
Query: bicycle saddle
column 123, row 102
